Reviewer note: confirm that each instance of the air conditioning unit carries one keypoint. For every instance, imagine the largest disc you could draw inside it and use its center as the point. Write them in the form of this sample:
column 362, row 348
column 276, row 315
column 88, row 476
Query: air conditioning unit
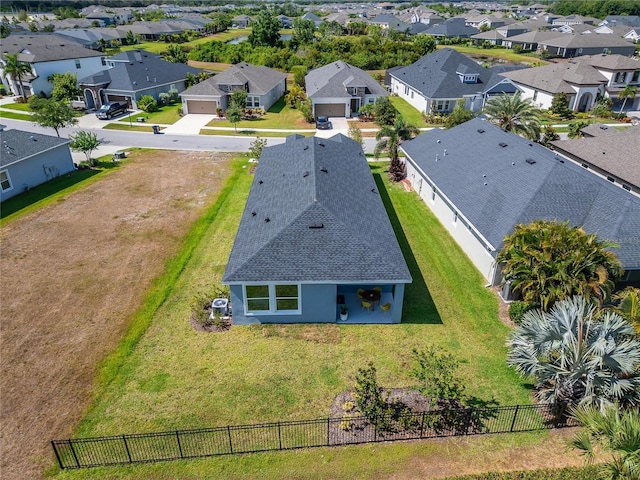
column 507, row 293
column 221, row 306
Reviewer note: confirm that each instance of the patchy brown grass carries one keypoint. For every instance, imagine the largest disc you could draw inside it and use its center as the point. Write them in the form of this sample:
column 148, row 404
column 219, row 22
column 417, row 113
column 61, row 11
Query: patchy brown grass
column 73, row 274
column 329, row 333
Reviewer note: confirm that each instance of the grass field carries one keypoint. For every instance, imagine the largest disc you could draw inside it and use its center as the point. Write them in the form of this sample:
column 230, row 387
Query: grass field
column 15, row 115
column 165, row 115
column 410, row 114
column 252, row 133
column 279, row 115
column 133, row 128
column 159, row 47
column 500, row 54
column 22, row 107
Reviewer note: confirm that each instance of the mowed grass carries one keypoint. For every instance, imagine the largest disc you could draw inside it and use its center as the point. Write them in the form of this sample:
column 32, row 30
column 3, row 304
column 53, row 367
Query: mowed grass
column 166, row 115
column 411, row 115
column 160, row 47
column 15, row 115
column 251, row 133
column 22, row 107
column 177, row 378
column 505, row 54
column 280, row 115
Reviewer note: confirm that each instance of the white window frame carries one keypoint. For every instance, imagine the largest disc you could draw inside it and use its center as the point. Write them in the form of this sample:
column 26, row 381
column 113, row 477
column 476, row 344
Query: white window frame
column 7, row 179
column 272, row 299
column 253, row 101
column 455, row 218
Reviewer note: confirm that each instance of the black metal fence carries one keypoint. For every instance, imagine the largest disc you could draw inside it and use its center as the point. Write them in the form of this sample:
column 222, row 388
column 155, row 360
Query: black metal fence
column 205, row 442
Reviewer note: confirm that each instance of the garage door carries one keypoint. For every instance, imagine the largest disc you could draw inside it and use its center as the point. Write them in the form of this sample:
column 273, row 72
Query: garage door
column 330, row 110
column 202, row 106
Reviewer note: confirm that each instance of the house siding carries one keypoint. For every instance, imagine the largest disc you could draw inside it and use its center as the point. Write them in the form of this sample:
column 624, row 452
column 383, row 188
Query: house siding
column 88, row 66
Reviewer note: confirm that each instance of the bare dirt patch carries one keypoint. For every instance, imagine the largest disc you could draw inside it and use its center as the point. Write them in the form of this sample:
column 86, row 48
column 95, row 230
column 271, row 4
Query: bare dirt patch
column 73, row 274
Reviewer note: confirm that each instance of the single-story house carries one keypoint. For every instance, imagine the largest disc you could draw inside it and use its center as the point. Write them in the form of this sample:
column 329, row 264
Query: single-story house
column 339, row 89
column 582, row 79
column 131, row 75
column 317, row 21
column 241, row 21
column 567, row 46
column 28, row 159
column 451, row 28
column 611, row 153
column 437, row 81
column 389, row 22
column 481, row 181
column 264, row 87
column 314, row 231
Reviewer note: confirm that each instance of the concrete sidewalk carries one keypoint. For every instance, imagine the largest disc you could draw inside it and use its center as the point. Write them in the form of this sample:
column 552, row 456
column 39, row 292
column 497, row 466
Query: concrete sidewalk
column 189, row 125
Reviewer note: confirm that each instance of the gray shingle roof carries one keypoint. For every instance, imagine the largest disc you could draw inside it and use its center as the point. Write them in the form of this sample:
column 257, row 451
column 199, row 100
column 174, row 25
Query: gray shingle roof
column 435, row 75
column 328, row 81
column 17, row 145
column 45, row 48
column 454, row 27
column 313, row 181
column 261, row 80
column 138, row 70
column 495, row 188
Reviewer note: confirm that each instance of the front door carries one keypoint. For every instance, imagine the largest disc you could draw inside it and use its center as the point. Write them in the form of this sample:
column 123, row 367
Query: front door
column 355, row 105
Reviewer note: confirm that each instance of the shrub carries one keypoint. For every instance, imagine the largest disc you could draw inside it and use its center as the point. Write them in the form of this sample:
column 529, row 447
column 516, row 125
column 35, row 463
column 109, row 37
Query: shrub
column 148, row 104
column 517, row 309
column 368, row 394
column 164, row 98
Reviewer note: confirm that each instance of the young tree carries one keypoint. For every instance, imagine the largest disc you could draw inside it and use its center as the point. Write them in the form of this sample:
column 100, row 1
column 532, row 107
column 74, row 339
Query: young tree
column 265, row 30
column 613, row 432
column 384, row 113
column 85, row 142
column 458, row 115
column 549, row 135
column 303, row 31
column 15, row 69
column 355, row 133
column 547, row 261
column 51, row 113
column 368, row 393
column 65, row 86
column 256, row 147
column 560, row 105
column 435, row 369
column 629, row 91
column 512, row 113
column 238, row 99
column 175, row 54
column 148, row 104
column 234, row 115
column 390, row 137
column 577, row 356
column 130, row 38
column 299, row 72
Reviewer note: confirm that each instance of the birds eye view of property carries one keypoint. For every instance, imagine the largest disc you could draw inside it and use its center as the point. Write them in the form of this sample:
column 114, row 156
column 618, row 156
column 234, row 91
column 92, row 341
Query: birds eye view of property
column 320, row 240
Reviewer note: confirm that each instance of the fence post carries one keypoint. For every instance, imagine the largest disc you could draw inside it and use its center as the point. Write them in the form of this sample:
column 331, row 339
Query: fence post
column 375, row 429
column 73, row 450
column 179, row 446
column 279, row 437
column 124, row 439
column 422, row 423
column 55, row 450
column 230, row 442
column 515, row 414
column 328, row 431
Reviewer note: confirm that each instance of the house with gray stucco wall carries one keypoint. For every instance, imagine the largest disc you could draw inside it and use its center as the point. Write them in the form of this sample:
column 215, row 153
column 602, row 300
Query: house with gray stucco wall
column 314, row 231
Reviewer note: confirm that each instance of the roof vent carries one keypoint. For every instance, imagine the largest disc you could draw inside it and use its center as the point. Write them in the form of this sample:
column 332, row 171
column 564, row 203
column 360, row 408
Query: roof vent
column 324, row 170
column 32, row 138
column 253, row 214
column 502, row 144
column 260, row 182
column 530, row 161
column 480, row 130
column 267, row 220
column 513, row 163
column 438, row 141
column 316, row 225
column 321, row 144
column 373, row 190
column 305, row 174
column 603, row 127
column 306, row 147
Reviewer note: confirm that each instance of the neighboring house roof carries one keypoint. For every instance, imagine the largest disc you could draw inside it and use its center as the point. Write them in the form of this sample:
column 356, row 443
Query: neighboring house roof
column 436, row 75
column 536, row 36
column 628, row 20
column 331, row 81
column 18, row 145
column 311, row 16
column 417, row 28
column 138, row 70
column 612, row 150
column 314, row 214
column 497, row 180
column 454, row 27
column 587, row 41
column 261, row 80
column 37, row 48
column 612, row 62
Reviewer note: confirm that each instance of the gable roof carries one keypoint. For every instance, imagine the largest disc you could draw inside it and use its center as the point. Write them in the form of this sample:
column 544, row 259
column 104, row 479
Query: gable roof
column 496, row 187
column 35, row 48
column 138, row 70
column 18, row 145
column 331, row 80
column 454, row 27
column 314, row 214
column 436, row 75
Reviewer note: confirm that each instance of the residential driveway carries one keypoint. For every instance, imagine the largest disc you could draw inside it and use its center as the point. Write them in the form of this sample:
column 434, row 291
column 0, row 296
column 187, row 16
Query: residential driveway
column 189, row 124
column 339, row 125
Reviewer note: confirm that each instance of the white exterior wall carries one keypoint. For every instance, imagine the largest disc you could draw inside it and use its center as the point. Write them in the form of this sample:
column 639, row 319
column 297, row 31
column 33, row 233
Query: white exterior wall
column 415, row 99
column 88, row 66
column 543, row 99
column 462, row 233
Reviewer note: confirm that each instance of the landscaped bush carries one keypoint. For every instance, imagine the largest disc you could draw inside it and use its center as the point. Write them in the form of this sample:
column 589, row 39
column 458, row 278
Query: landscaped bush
column 517, row 309
column 568, row 473
column 148, row 104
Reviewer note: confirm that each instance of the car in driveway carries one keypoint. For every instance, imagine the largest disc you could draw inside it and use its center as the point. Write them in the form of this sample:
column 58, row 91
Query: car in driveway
column 112, row 109
column 323, row 123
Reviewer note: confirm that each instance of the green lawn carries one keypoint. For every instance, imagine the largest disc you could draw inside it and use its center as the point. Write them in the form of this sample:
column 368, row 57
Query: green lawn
column 23, row 107
column 252, row 133
column 166, row 115
column 496, row 53
column 159, row 47
column 279, row 115
column 15, row 116
column 410, row 114
column 168, row 376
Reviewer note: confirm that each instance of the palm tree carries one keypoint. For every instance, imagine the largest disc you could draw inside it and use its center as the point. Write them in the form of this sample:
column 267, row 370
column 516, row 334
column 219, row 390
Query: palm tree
column 614, row 432
column 628, row 305
column 547, row 261
column 576, row 358
column 16, row 69
column 628, row 91
column 512, row 113
column 390, row 137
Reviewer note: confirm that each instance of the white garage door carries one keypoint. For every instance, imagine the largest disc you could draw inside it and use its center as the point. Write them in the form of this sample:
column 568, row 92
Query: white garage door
column 202, row 106
column 330, row 110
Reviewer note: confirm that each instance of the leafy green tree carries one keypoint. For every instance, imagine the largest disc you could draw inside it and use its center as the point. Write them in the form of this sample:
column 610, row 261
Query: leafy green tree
column 175, row 54
column 355, row 133
column 303, row 31
column 256, row 147
column 265, row 30
column 148, row 104
column 85, row 142
column 384, row 113
column 299, row 72
column 613, row 432
column 629, row 91
column 368, row 394
column 575, row 128
column 52, row 113
column 390, row 137
column 22, row 15
column 603, row 108
column 514, row 114
column 328, row 30
column 65, row 86
column 234, row 115
column 306, row 109
column 366, row 111
column 16, row 69
column 547, row 261
column 435, row 371
column 628, row 305
column 294, row 96
column 549, row 135
column 130, row 38
column 425, row 43
column 577, row 356
column 5, row 30
column 560, row 105
column 458, row 115
column 238, row 98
